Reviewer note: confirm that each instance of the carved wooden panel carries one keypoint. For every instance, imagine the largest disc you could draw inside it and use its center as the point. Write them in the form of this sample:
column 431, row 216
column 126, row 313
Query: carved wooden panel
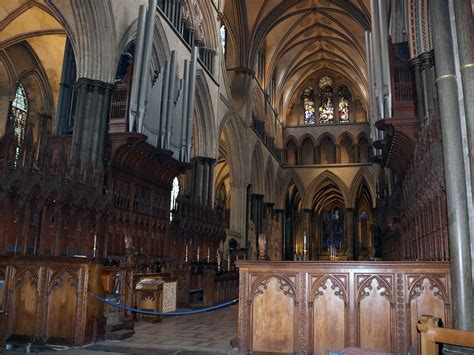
column 427, row 295
column 273, row 310
column 61, row 304
column 51, row 303
column 314, row 307
column 329, row 300
column 375, row 312
column 23, row 298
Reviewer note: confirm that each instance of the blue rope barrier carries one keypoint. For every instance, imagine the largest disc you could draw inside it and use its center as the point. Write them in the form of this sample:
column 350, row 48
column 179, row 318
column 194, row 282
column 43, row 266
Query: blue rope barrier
column 202, row 310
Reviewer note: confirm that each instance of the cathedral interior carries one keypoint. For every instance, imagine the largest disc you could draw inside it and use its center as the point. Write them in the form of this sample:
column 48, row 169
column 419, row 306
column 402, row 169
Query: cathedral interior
column 300, row 172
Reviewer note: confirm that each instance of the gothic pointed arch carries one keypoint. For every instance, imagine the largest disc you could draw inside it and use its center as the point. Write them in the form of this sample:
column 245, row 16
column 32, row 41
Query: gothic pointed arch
column 231, row 135
column 362, row 178
column 204, row 134
column 318, row 184
column 95, row 46
column 161, row 49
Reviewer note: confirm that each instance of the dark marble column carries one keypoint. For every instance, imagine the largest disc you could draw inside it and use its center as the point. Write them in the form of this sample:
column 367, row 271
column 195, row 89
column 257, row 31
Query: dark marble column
column 416, row 65
column 202, row 179
column 351, row 245
column 68, row 77
column 90, row 112
column 280, row 216
column 458, row 219
column 428, row 79
column 307, row 231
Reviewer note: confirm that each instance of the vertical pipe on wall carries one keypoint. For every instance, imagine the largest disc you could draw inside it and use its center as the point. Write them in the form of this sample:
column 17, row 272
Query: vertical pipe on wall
column 183, row 118
column 191, row 94
column 137, row 68
column 145, row 70
column 171, row 97
column 164, row 106
column 377, row 60
column 385, row 60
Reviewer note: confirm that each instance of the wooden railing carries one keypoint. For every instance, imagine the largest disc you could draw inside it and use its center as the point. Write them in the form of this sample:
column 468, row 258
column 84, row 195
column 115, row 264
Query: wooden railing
column 432, row 335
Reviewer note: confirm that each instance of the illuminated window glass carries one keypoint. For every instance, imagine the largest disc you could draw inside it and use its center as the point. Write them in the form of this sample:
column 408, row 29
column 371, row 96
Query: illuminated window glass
column 19, row 114
column 326, row 108
column 344, row 96
column 223, row 32
column 174, row 196
column 309, row 107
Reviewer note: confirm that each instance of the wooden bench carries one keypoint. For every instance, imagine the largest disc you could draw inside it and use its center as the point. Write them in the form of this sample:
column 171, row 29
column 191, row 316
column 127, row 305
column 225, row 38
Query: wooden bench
column 432, row 335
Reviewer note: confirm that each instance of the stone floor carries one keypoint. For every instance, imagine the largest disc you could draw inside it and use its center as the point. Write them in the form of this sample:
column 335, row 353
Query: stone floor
column 199, row 334
column 206, row 332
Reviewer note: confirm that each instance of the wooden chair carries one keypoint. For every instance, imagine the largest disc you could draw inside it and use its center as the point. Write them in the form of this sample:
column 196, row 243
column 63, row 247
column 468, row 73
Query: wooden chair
column 432, row 335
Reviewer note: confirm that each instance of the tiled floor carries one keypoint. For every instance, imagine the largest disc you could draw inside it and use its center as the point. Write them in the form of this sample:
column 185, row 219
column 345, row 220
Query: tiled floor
column 206, row 333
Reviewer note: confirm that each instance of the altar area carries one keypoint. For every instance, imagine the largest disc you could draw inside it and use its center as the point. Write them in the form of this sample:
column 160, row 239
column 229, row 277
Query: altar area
column 314, row 307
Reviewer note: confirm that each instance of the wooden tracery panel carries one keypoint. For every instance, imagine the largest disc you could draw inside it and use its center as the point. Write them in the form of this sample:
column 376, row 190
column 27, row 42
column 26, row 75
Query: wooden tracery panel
column 24, row 299
column 273, row 310
column 328, row 301
column 375, row 312
column 427, row 295
column 61, row 296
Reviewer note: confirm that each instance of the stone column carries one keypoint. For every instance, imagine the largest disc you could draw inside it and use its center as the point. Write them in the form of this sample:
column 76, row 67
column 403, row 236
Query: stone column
column 90, row 112
column 316, row 155
column 416, row 65
column 238, row 208
column 307, row 230
column 355, row 154
column 464, row 32
column 280, row 216
column 350, row 234
column 338, row 154
column 428, row 81
column 458, row 219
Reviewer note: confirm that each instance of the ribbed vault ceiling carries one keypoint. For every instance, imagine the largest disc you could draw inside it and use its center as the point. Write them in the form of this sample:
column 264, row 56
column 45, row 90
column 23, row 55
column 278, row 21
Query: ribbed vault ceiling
column 300, row 38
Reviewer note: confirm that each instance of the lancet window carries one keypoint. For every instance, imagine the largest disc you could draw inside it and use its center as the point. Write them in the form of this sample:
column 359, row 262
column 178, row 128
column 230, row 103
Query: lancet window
column 309, row 106
column 223, row 33
column 19, row 114
column 174, row 196
column 326, row 106
column 344, row 96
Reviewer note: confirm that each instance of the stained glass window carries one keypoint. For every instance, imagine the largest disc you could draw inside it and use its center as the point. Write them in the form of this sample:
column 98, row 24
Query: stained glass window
column 364, row 230
column 333, row 230
column 18, row 115
column 174, row 196
column 223, row 32
column 309, row 107
column 326, row 107
column 344, row 96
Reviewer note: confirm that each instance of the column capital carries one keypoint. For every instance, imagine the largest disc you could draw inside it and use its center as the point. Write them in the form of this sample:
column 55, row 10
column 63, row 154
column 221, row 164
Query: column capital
column 427, row 59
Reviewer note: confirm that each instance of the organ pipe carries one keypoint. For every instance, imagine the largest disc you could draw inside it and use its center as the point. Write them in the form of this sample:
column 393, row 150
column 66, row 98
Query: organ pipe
column 137, row 67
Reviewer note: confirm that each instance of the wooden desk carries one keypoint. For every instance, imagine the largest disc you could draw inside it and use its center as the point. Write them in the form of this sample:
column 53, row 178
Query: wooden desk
column 314, row 307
